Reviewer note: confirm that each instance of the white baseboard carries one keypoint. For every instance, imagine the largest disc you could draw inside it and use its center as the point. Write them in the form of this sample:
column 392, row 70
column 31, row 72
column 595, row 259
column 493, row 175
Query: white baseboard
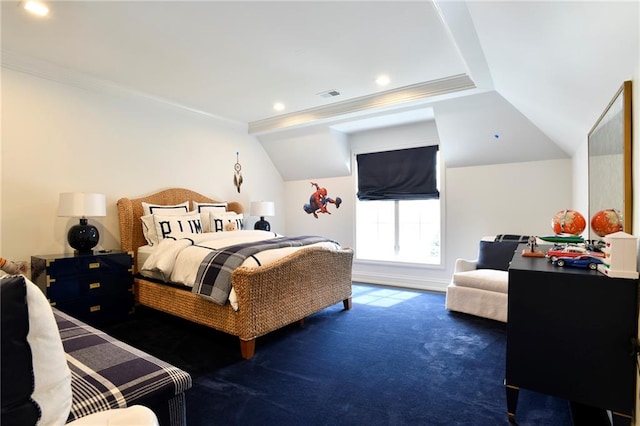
column 402, row 281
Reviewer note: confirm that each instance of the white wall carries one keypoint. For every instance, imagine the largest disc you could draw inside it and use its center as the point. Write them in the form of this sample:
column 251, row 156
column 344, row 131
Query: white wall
column 338, row 225
column 517, row 198
column 58, row 138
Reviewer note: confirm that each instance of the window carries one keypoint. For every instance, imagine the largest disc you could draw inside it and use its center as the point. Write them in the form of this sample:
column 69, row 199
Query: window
column 400, row 229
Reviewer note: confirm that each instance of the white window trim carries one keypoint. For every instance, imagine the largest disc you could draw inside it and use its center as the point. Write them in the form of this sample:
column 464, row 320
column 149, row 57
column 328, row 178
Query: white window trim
column 442, row 189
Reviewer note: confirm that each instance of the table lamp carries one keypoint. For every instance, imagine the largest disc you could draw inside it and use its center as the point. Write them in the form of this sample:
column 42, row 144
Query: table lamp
column 262, row 209
column 82, row 237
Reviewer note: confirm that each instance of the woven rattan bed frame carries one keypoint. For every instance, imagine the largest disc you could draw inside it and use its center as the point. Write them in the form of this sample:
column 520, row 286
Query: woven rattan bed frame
column 269, row 297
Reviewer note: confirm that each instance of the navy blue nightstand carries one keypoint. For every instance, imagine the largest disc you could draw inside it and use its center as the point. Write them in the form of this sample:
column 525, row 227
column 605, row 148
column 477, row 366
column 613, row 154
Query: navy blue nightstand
column 96, row 288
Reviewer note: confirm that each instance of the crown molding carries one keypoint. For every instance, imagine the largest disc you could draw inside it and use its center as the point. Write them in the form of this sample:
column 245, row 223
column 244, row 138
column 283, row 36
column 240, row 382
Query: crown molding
column 394, row 97
column 47, row 70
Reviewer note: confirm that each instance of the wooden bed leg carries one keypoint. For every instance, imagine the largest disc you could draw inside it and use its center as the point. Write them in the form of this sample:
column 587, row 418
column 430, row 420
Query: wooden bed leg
column 247, row 348
column 347, row 304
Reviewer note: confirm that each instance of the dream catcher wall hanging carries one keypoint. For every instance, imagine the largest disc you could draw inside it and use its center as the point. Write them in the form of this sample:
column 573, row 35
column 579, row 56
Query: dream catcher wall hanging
column 237, row 175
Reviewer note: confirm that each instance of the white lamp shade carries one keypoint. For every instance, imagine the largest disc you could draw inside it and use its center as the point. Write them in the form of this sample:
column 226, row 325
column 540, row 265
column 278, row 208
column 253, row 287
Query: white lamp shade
column 82, row 204
column 263, row 208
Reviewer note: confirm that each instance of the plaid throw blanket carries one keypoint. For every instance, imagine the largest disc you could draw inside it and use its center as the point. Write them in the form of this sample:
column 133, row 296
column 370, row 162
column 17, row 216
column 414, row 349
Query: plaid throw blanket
column 213, row 280
column 107, row 373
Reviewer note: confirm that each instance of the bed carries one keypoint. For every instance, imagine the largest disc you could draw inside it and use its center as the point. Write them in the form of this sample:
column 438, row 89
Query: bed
column 268, row 297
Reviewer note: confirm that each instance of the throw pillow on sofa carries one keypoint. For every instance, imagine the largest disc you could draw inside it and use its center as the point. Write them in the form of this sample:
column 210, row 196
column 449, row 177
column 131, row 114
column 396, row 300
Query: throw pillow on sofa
column 18, row 408
column 46, row 369
column 496, row 255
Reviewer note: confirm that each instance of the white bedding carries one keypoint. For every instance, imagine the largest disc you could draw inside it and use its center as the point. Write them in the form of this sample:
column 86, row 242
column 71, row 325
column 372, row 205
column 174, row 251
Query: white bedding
column 177, row 261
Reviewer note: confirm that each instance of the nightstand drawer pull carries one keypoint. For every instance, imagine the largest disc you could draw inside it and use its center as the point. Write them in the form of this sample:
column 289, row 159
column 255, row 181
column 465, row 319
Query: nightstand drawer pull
column 94, row 265
column 94, row 285
column 50, row 280
column 94, row 308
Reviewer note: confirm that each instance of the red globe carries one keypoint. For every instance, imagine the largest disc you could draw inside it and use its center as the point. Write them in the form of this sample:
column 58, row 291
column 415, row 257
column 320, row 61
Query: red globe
column 568, row 222
column 606, row 222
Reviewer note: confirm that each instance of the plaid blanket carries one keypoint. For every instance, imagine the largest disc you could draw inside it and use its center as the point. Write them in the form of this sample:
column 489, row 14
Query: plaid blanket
column 107, row 373
column 213, row 280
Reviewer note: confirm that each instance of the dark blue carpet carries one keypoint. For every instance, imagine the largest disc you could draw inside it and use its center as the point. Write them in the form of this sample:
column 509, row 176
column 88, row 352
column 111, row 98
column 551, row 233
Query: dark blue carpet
column 397, row 358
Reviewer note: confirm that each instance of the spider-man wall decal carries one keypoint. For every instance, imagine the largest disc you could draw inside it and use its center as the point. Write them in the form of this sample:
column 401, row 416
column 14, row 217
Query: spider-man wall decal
column 318, row 201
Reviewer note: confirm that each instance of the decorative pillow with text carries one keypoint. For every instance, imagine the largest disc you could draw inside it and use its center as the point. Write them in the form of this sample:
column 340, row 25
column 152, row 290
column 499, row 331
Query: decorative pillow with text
column 177, row 225
column 218, row 221
column 205, row 208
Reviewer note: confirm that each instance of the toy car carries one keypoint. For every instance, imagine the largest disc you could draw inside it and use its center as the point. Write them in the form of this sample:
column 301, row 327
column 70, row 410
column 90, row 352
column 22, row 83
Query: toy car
column 595, row 246
column 584, row 261
column 571, row 251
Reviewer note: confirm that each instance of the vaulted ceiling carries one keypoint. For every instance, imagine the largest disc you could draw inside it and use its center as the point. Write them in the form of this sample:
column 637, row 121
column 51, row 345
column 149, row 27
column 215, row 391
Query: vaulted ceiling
column 536, row 74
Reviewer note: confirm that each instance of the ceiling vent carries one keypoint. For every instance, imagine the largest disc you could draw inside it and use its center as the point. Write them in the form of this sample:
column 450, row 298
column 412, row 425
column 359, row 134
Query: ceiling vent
column 329, row 93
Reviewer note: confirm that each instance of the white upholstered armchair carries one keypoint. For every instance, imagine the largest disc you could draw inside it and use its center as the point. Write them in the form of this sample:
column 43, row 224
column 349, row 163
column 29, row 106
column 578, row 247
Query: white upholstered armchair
column 480, row 286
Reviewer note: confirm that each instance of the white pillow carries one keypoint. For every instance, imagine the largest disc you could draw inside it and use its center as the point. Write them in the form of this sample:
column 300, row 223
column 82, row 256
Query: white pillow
column 218, row 221
column 177, row 225
column 205, row 208
column 52, row 377
column 149, row 230
column 149, row 226
column 165, row 209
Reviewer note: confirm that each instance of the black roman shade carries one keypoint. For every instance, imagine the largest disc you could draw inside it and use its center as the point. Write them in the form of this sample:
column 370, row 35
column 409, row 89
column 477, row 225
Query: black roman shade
column 404, row 174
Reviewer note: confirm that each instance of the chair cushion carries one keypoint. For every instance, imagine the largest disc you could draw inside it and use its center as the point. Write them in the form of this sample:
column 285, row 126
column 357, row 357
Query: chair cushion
column 483, row 279
column 496, row 255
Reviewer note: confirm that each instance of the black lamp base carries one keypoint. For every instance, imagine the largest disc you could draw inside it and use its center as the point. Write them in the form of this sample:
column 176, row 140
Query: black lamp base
column 83, row 237
column 262, row 225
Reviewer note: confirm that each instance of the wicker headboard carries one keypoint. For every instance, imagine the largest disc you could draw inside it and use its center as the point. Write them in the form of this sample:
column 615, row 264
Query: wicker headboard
column 130, row 211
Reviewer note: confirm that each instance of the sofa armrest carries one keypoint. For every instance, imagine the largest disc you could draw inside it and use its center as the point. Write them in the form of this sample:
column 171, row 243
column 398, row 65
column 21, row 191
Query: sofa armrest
column 464, row 265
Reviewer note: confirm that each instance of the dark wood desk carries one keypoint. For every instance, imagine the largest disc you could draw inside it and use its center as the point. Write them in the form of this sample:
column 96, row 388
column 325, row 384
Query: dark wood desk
column 570, row 333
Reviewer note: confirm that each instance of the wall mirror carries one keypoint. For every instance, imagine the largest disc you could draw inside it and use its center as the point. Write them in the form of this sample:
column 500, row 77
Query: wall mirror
column 610, row 160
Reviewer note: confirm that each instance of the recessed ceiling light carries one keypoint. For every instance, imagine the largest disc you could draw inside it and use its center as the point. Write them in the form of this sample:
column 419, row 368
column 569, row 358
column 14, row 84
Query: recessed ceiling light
column 382, row 80
column 35, row 7
column 278, row 106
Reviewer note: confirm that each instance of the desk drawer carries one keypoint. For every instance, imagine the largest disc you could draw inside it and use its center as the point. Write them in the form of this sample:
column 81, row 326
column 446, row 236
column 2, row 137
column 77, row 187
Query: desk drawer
column 89, row 285
column 97, row 311
column 74, row 266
